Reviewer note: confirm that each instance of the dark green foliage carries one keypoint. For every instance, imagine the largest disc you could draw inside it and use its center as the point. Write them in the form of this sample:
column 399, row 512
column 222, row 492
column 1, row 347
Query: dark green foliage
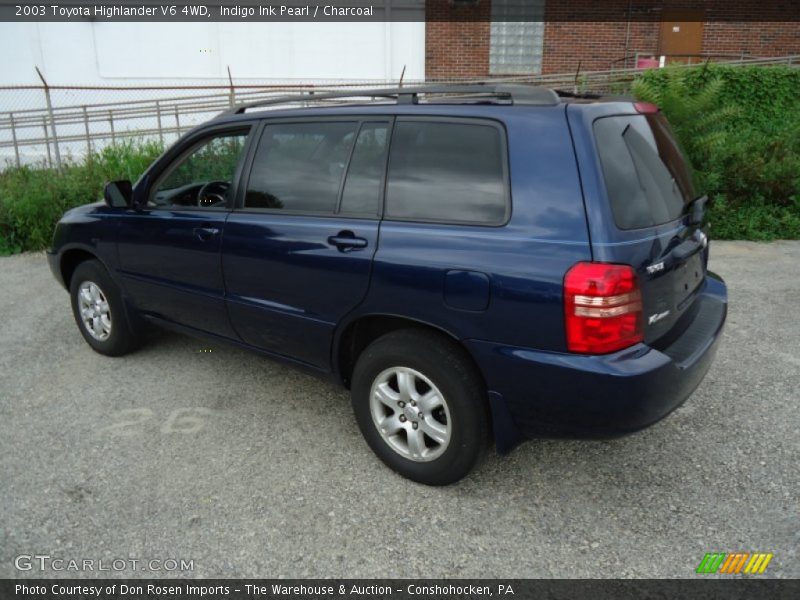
column 740, row 128
column 33, row 198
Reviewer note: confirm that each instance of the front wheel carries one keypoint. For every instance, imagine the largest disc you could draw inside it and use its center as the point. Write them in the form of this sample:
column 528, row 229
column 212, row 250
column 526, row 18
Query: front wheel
column 420, row 405
column 99, row 310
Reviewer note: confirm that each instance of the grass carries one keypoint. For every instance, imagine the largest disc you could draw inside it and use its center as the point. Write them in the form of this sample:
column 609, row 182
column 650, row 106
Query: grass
column 33, row 198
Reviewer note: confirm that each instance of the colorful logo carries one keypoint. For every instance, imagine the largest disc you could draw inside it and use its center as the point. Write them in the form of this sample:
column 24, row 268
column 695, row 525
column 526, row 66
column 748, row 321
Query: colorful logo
column 735, row 563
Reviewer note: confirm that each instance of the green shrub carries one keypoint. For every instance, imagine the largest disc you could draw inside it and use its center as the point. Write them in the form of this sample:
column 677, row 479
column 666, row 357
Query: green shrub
column 740, row 128
column 33, row 198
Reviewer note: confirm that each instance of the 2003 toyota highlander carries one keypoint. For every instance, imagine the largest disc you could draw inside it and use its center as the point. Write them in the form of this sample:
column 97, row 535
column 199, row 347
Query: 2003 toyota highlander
column 471, row 261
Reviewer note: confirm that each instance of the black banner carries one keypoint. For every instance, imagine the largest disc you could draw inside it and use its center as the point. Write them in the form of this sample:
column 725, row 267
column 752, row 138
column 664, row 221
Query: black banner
column 401, row 589
column 397, row 10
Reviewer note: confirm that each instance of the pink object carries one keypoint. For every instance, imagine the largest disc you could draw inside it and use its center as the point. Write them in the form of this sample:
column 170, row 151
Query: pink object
column 647, row 63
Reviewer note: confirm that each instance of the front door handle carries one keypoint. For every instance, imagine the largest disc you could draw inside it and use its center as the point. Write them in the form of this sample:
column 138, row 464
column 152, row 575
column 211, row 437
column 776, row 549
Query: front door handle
column 346, row 241
column 205, row 233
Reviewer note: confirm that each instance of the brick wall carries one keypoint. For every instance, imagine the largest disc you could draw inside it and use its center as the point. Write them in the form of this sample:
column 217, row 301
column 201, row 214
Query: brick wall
column 456, row 40
column 594, row 33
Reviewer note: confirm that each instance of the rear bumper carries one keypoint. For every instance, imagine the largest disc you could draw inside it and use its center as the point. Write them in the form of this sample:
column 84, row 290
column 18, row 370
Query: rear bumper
column 535, row 393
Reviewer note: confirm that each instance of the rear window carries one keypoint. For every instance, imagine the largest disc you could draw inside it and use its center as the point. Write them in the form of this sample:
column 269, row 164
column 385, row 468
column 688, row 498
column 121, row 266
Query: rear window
column 647, row 179
column 447, row 172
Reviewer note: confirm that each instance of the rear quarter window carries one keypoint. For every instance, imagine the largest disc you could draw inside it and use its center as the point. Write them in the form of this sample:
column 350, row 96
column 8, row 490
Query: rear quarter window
column 450, row 172
column 646, row 176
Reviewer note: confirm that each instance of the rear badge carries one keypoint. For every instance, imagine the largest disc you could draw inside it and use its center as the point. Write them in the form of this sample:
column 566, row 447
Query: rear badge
column 655, row 268
column 657, row 317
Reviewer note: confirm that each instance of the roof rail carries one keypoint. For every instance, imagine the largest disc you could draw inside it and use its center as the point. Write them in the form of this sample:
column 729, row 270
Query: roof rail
column 512, row 93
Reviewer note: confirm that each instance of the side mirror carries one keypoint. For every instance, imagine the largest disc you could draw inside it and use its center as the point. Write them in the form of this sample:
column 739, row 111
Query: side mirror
column 118, row 194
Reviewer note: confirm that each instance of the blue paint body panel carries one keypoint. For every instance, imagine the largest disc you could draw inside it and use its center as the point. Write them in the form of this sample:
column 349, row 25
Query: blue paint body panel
column 467, row 290
column 274, row 283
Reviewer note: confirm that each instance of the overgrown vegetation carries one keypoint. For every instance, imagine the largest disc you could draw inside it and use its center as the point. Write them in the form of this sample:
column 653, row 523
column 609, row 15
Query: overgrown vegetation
column 33, row 198
column 740, row 127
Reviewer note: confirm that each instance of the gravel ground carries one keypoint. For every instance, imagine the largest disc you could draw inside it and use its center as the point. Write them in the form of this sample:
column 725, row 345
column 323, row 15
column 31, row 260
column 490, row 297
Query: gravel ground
column 249, row 468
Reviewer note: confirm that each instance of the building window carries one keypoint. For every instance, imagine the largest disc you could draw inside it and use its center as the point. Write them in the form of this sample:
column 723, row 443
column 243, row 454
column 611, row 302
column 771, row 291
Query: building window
column 516, row 37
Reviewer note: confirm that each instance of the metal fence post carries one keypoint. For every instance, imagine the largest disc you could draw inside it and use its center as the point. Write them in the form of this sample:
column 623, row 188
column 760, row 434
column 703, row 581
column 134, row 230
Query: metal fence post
column 88, row 137
column 158, row 118
column 47, row 142
column 233, row 90
column 14, row 137
column 52, row 119
column 111, row 124
column 177, row 121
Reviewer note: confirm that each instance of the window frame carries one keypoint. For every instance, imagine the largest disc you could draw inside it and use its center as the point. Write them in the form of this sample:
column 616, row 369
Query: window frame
column 185, row 147
column 506, row 170
column 359, row 121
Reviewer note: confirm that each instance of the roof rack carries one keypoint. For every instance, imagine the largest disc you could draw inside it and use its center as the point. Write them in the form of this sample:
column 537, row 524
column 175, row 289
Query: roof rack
column 510, row 93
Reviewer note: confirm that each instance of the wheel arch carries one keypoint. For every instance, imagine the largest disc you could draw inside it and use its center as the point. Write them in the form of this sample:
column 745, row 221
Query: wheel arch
column 70, row 259
column 361, row 331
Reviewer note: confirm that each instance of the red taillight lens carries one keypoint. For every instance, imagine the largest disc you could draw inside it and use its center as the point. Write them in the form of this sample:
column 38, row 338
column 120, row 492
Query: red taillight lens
column 603, row 308
column 645, row 108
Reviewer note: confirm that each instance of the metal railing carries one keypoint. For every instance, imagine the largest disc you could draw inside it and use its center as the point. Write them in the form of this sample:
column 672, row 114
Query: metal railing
column 61, row 127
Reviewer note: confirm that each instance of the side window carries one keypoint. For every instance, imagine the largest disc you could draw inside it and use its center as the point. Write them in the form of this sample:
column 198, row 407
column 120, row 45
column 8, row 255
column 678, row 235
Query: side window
column 441, row 171
column 300, row 166
column 203, row 177
column 364, row 183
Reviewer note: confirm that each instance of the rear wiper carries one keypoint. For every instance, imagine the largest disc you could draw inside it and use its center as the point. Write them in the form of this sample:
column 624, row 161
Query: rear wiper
column 696, row 209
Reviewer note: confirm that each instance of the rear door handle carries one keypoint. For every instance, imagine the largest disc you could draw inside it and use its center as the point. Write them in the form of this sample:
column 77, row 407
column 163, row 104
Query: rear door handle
column 205, row 233
column 346, row 241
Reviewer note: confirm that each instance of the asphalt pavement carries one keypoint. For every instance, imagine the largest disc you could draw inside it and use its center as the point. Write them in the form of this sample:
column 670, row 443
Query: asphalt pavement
column 242, row 467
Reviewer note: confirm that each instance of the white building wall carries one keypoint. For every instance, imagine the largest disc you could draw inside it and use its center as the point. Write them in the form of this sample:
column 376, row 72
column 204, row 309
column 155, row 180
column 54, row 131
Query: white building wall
column 102, row 53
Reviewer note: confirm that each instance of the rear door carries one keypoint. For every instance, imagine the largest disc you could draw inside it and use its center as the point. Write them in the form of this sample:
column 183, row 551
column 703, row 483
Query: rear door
column 646, row 189
column 297, row 252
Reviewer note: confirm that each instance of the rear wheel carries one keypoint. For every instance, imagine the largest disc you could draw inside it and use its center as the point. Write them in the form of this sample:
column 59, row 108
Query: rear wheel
column 99, row 310
column 420, row 405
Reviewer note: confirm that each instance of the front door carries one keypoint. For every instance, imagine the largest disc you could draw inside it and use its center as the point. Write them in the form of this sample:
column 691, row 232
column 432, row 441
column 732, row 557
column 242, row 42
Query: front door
column 297, row 252
column 681, row 37
column 169, row 248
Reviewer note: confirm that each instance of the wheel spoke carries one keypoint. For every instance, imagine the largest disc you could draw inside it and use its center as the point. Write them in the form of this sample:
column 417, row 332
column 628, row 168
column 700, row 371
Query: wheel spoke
column 86, row 295
column 387, row 395
column 94, row 292
column 416, row 443
column 405, row 383
column 97, row 325
column 391, row 425
column 434, row 430
column 430, row 401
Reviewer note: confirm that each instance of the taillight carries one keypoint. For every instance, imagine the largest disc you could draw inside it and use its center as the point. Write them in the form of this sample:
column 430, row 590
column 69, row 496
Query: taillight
column 603, row 308
column 645, row 108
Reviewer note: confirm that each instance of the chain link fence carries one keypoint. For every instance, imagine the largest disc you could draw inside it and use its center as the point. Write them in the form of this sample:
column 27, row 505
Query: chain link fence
column 52, row 125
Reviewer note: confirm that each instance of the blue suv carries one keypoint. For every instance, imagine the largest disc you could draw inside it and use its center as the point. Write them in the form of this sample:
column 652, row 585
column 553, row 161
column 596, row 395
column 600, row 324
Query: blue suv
column 472, row 262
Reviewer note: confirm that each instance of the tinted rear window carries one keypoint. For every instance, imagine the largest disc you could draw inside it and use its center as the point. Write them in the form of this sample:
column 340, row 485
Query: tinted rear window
column 647, row 179
column 447, row 172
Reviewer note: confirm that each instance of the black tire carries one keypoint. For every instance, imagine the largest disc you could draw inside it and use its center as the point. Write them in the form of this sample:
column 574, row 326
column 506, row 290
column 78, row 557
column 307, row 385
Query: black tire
column 123, row 337
column 449, row 369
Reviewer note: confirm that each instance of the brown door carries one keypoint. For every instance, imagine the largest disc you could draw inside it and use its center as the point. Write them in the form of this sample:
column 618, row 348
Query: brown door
column 681, row 35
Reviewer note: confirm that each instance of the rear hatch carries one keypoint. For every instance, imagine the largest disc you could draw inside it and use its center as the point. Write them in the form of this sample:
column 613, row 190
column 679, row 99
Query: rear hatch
column 656, row 215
